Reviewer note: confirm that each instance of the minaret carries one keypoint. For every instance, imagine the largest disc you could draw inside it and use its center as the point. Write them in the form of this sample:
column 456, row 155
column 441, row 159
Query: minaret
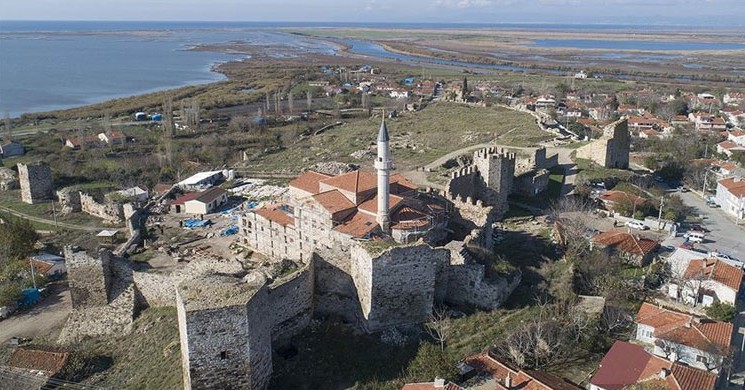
column 383, row 165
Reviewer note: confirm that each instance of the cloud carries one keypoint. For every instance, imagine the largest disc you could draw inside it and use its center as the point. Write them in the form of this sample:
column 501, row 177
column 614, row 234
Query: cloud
column 463, row 4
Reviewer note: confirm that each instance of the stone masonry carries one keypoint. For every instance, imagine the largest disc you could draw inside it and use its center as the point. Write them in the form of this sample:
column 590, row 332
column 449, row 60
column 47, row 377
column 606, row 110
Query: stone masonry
column 112, row 213
column 612, row 149
column 225, row 332
column 36, row 182
column 489, row 179
column 89, row 278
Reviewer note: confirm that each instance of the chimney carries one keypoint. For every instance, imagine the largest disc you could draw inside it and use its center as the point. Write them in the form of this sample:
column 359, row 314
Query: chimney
column 687, row 324
column 664, row 373
column 508, row 381
column 439, row 383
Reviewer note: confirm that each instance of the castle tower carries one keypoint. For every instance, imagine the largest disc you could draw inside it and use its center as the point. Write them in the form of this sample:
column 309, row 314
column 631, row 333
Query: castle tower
column 383, row 165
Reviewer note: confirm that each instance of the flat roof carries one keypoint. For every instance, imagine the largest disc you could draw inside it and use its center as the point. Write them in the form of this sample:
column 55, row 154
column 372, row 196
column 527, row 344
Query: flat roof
column 107, row 233
column 198, row 178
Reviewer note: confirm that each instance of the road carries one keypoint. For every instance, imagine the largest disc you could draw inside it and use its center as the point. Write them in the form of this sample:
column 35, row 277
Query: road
column 52, row 223
column 42, row 319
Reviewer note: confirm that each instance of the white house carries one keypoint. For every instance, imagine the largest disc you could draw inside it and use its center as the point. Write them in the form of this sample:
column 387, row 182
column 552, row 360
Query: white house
column 113, row 138
column 48, row 264
column 737, row 136
column 679, row 337
column 700, row 281
column 11, row 149
column 731, row 196
column 207, row 201
column 201, row 180
column 136, row 194
column 733, row 97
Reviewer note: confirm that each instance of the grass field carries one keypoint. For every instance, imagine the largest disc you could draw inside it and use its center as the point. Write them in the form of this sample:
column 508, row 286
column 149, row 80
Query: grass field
column 417, row 138
column 12, row 200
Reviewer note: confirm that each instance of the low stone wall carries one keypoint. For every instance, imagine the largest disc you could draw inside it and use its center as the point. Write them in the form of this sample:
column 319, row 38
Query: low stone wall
column 69, row 200
column 291, row 300
column 468, row 285
column 110, row 212
column 532, row 183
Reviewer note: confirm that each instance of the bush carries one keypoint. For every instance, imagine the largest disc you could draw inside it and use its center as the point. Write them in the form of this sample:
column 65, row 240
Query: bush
column 430, row 362
column 721, row 311
column 10, row 292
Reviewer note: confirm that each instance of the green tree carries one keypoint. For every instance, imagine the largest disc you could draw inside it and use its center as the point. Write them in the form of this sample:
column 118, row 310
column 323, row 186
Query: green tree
column 17, row 238
column 10, row 292
column 431, row 362
column 721, row 311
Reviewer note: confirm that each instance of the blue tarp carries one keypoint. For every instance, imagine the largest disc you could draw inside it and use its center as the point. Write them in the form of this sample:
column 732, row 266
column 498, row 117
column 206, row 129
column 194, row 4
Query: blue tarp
column 195, row 223
column 252, row 204
column 29, row 297
column 229, row 231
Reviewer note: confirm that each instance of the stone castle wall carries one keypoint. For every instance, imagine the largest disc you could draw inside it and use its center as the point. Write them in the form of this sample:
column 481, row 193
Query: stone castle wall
column 469, row 285
column 36, row 183
column 612, row 149
column 397, row 286
column 112, row 213
column 225, row 332
column 69, row 200
column 89, row 278
column 335, row 290
column 291, row 300
column 532, row 183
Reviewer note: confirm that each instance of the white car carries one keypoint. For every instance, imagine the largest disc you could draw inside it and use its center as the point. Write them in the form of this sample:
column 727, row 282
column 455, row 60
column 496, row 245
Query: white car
column 722, row 256
column 637, row 225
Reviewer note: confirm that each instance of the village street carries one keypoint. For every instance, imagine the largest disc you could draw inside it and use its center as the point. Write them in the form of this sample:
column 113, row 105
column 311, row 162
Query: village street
column 42, row 318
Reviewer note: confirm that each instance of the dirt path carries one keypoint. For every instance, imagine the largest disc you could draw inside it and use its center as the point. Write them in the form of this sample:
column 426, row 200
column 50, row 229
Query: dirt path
column 41, row 319
column 52, row 223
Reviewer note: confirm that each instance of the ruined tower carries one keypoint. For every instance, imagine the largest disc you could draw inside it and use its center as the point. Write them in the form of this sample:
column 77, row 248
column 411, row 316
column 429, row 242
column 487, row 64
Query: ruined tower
column 225, row 332
column 383, row 165
column 36, row 182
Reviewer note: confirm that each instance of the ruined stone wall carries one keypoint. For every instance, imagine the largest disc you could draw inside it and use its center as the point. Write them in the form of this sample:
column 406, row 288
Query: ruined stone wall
column 612, row 149
column 291, row 300
column 69, row 200
column 8, row 179
column 464, row 185
column 469, row 285
column 532, row 183
column 225, row 335
column 110, row 212
column 36, row 183
column 397, row 286
column 89, row 278
column 335, row 290
column 114, row 318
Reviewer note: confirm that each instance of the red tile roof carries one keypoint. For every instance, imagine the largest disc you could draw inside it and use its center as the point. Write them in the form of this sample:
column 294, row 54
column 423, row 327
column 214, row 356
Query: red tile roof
column 408, row 218
column 184, row 198
column 627, row 364
column 209, row 195
column 48, row 363
column 355, row 182
column 41, row 267
column 484, row 363
column 716, row 270
column 431, row 386
column 734, row 186
column 626, row 242
column 684, row 329
column 359, row 226
column 727, row 145
column 333, row 201
column 275, row 215
column 621, row 196
column 309, row 181
column 371, row 205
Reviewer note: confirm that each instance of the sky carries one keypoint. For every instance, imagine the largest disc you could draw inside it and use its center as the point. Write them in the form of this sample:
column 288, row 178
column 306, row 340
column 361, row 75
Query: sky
column 716, row 13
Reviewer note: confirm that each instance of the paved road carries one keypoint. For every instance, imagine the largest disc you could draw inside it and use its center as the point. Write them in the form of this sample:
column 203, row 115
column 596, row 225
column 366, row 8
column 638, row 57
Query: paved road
column 51, row 313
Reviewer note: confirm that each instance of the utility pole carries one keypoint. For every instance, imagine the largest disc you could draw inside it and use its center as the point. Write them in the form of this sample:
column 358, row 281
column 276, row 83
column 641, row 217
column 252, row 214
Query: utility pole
column 54, row 212
column 33, row 274
column 706, row 178
column 659, row 217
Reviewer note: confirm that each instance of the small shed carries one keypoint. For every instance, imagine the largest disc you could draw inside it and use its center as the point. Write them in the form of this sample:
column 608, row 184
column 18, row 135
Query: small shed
column 108, row 236
column 11, row 149
column 48, row 264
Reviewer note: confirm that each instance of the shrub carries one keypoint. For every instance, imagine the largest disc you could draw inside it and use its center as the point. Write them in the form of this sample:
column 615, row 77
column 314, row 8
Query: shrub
column 721, row 311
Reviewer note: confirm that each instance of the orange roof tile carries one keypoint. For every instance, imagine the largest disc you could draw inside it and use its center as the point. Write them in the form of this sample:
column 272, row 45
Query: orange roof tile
column 333, row 201
column 408, row 218
column 274, row 214
column 355, row 182
column 734, row 186
column 719, row 271
column 614, row 196
column 49, row 363
column 525, row 380
column 431, row 386
column 660, row 318
column 359, row 226
column 41, row 267
column 626, row 242
column 692, row 379
column 309, row 181
column 371, row 205
column 683, row 328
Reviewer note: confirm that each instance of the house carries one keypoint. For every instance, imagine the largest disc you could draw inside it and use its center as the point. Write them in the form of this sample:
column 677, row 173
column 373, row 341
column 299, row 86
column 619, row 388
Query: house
column 628, row 364
column 706, row 281
column 85, row 141
column 647, row 134
column 731, row 196
column 48, row 264
column 206, row 202
column 113, row 138
column 37, row 362
column 729, row 148
column 580, row 75
column 613, row 199
column 493, row 373
column 634, row 249
column 201, row 180
column 600, row 113
column 733, row 98
column 679, row 337
column 737, row 136
column 11, row 149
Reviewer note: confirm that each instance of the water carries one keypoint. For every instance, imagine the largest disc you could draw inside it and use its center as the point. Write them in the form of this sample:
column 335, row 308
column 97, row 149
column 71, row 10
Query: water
column 637, row 45
column 49, row 66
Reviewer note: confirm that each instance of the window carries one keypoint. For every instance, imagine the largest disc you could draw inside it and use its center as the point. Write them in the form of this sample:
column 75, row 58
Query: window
column 701, row 359
column 223, row 355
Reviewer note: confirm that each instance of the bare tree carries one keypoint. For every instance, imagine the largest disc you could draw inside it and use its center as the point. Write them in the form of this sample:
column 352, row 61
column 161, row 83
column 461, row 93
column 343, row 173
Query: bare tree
column 671, row 350
column 309, row 99
column 290, row 102
column 8, row 126
column 266, row 103
column 573, row 218
column 168, row 128
column 614, row 319
column 439, row 326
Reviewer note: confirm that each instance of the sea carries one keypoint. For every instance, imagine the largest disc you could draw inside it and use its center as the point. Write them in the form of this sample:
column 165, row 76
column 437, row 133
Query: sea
column 46, row 65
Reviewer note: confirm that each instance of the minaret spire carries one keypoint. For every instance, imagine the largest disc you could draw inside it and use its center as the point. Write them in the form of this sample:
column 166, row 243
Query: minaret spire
column 383, row 165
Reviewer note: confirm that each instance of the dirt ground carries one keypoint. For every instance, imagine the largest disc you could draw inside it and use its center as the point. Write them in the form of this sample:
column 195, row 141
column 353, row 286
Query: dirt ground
column 43, row 320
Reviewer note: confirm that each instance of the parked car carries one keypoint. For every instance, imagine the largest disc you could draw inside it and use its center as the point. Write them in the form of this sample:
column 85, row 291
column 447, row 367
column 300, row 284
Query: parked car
column 6, row 311
column 697, row 228
column 695, row 236
column 683, row 189
column 722, row 256
column 687, row 245
column 712, row 204
column 634, row 224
